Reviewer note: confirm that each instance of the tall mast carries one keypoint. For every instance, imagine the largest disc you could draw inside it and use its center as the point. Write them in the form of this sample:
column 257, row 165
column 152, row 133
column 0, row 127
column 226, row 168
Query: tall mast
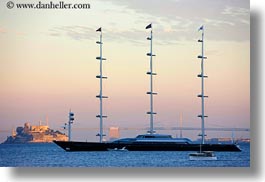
column 100, row 96
column 202, row 76
column 70, row 122
column 151, row 73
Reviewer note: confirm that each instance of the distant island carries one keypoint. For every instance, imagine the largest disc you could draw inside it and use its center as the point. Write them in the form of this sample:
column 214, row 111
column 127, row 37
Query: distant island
column 34, row 134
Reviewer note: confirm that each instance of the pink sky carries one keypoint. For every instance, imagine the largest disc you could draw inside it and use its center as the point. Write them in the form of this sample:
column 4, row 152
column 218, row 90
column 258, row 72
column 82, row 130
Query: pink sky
column 50, row 67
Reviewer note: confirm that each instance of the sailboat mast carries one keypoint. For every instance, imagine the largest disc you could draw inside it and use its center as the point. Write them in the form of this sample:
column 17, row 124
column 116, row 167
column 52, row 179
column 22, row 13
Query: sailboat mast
column 202, row 76
column 100, row 96
column 181, row 120
column 151, row 73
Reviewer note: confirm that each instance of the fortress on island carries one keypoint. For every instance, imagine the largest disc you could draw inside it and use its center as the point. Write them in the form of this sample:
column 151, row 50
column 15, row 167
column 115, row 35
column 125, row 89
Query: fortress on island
column 35, row 134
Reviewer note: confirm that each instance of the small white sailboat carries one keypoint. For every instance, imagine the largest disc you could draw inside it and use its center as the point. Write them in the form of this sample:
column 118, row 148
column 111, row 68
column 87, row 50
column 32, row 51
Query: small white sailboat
column 202, row 155
column 123, row 149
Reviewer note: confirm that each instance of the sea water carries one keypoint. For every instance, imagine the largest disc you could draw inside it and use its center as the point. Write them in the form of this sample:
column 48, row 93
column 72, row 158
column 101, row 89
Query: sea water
column 50, row 155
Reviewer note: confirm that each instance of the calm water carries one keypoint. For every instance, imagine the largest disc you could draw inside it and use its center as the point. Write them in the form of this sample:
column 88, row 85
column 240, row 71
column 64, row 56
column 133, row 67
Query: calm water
column 50, row 155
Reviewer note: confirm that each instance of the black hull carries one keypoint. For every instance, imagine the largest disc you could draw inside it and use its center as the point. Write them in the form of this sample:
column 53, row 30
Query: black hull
column 96, row 146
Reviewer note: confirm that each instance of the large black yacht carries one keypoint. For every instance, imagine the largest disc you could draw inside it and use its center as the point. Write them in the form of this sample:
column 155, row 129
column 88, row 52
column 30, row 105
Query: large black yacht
column 147, row 142
column 150, row 141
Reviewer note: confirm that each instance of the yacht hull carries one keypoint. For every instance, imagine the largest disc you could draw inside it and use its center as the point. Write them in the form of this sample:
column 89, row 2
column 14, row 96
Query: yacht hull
column 140, row 146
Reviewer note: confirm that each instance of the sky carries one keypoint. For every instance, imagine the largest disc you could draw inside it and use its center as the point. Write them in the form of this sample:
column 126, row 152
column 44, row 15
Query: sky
column 48, row 65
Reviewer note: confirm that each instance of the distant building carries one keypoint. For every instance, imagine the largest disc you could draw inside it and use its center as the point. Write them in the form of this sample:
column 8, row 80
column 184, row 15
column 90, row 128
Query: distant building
column 35, row 134
column 114, row 133
column 39, row 128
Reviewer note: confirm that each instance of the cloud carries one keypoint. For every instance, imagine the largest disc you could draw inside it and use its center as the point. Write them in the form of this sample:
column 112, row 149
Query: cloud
column 235, row 11
column 13, row 32
column 186, row 15
column 74, row 32
column 240, row 15
column 2, row 30
column 163, row 35
column 184, row 8
column 218, row 23
column 173, row 21
column 78, row 32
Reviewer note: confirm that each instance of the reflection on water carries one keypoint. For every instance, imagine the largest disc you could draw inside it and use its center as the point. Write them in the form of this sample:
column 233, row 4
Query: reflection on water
column 50, row 155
